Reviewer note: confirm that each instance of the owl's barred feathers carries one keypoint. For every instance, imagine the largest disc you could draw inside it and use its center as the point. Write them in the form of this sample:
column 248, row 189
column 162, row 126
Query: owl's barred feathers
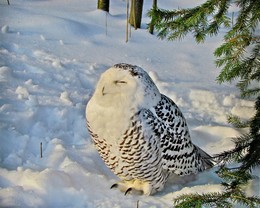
column 140, row 133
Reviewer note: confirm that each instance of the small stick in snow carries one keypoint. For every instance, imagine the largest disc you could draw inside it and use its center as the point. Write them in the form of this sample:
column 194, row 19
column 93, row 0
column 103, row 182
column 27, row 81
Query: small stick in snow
column 127, row 19
column 106, row 22
column 41, row 149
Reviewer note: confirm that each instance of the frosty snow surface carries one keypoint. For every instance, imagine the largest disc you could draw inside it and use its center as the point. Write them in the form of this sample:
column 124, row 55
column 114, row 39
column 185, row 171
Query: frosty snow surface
column 51, row 56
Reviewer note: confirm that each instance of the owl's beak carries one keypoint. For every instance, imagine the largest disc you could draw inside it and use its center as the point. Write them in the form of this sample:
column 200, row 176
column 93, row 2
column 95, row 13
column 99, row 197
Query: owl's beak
column 103, row 91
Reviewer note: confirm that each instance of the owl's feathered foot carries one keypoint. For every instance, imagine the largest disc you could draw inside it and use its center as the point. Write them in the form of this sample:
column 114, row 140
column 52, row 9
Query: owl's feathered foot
column 134, row 186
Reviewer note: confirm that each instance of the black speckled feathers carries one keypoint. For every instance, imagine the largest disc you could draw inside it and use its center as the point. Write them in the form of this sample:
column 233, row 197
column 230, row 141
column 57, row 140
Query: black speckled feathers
column 130, row 68
column 179, row 154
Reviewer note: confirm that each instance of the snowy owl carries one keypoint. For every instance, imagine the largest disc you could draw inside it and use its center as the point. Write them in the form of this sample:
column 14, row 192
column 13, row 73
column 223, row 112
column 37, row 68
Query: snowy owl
column 140, row 133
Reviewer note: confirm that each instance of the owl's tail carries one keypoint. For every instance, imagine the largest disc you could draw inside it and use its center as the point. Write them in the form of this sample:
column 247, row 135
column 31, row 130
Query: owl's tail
column 207, row 160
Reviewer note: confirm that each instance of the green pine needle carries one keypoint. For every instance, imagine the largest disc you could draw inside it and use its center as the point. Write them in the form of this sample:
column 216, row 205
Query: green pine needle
column 237, row 122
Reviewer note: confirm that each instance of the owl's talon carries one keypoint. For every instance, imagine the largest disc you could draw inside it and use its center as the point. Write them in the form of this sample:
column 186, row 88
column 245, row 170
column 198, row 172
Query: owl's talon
column 115, row 185
column 128, row 190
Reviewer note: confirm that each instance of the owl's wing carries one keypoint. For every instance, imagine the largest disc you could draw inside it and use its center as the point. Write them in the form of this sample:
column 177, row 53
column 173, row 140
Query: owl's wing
column 179, row 154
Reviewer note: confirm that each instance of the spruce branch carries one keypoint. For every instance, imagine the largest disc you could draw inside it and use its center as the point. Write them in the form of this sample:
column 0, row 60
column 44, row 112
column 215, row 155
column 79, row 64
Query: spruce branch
column 247, row 146
column 232, row 194
column 234, row 176
column 250, row 92
column 236, row 121
column 239, row 59
column 206, row 20
column 178, row 23
column 252, row 157
column 226, row 199
column 235, row 65
column 242, row 144
column 214, row 199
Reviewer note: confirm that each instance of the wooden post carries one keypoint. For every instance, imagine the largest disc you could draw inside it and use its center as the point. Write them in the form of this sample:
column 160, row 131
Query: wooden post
column 136, row 13
column 127, row 19
column 133, row 12
column 106, row 22
column 103, row 5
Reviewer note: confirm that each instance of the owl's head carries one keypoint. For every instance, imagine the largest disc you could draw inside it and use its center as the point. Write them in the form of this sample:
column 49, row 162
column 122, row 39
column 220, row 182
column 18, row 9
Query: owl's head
column 126, row 85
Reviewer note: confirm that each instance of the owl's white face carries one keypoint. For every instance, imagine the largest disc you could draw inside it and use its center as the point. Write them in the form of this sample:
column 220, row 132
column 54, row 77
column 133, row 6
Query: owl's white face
column 127, row 86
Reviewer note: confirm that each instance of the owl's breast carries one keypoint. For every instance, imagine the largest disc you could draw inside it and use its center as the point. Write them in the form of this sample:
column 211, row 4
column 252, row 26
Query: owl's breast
column 108, row 123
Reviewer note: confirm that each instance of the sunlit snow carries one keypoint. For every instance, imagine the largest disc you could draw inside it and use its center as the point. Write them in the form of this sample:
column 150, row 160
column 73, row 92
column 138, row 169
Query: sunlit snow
column 51, row 56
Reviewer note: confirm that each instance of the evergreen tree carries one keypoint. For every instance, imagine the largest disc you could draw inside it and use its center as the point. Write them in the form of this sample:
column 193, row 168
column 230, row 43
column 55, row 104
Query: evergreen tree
column 206, row 20
column 151, row 26
column 239, row 58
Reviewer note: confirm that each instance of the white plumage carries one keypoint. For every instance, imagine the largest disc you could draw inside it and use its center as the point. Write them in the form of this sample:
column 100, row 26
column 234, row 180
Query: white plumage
column 140, row 133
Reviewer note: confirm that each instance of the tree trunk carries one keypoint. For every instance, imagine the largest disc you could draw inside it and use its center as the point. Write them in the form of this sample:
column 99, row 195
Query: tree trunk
column 103, row 5
column 151, row 27
column 136, row 13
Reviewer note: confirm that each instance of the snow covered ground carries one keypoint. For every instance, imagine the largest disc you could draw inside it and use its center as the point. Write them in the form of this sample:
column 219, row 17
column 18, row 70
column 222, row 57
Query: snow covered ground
column 51, row 55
